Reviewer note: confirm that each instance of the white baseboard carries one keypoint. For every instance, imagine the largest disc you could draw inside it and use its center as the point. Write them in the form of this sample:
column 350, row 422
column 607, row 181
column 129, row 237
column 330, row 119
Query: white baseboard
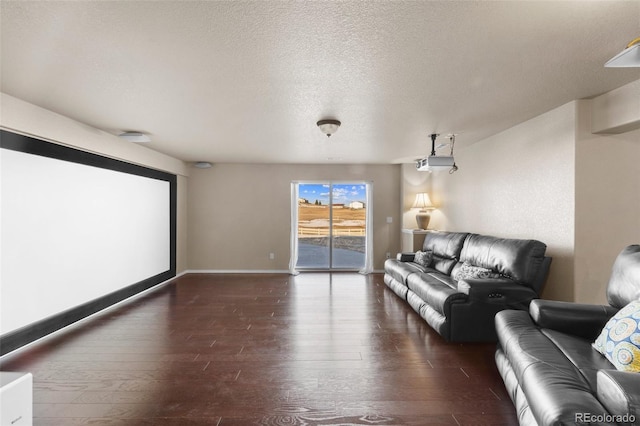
column 255, row 271
column 236, row 271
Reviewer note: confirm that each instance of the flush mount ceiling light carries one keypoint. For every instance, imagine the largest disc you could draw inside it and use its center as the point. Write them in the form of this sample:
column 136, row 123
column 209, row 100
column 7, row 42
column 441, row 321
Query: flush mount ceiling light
column 202, row 165
column 137, row 137
column 328, row 126
column 629, row 57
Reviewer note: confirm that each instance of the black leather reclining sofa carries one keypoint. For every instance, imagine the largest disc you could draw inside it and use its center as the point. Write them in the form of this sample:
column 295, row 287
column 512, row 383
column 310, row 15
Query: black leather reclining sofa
column 550, row 368
column 467, row 280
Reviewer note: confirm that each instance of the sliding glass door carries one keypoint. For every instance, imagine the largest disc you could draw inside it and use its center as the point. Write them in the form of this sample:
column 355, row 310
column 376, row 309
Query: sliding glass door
column 331, row 225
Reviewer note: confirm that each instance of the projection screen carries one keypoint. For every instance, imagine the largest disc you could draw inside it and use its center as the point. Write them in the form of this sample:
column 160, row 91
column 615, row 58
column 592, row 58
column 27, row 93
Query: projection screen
column 77, row 227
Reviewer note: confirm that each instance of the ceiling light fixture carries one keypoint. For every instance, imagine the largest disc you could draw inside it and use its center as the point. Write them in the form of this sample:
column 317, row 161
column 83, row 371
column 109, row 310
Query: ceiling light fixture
column 137, row 137
column 328, row 126
column 629, row 57
column 202, row 165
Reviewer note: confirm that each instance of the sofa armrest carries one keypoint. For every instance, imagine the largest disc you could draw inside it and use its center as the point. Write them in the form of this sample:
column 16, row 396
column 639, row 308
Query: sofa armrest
column 497, row 290
column 577, row 319
column 619, row 392
column 406, row 257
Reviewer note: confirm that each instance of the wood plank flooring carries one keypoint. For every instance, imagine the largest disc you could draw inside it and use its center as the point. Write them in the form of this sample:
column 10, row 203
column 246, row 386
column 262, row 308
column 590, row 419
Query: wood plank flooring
column 315, row 349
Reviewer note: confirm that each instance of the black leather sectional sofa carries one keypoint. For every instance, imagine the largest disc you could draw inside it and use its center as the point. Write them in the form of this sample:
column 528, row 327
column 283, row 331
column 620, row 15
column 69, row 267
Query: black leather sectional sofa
column 467, row 279
column 550, row 368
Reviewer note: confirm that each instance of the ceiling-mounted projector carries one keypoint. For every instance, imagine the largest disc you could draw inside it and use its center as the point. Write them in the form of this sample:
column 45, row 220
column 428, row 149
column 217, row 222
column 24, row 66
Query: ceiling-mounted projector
column 434, row 161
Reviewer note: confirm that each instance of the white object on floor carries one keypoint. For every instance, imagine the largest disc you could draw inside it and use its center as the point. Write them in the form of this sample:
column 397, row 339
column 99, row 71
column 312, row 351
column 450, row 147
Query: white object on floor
column 16, row 399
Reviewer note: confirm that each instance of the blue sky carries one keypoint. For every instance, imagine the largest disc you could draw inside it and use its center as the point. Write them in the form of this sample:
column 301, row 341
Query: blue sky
column 342, row 193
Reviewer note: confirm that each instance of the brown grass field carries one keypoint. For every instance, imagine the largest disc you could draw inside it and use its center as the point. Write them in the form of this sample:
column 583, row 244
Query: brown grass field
column 348, row 226
column 313, row 221
column 311, row 212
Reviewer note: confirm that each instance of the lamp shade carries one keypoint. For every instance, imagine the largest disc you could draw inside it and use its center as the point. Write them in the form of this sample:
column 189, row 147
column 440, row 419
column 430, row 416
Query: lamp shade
column 422, row 201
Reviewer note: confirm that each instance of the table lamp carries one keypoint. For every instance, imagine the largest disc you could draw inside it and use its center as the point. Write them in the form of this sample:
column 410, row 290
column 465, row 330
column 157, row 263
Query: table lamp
column 423, row 202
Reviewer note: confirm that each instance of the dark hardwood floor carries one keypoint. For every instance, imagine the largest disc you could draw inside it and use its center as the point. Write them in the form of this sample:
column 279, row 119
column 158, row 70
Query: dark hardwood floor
column 315, row 349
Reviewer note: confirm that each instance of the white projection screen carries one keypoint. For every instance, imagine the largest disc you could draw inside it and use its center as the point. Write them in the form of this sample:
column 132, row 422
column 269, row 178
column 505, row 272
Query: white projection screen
column 79, row 232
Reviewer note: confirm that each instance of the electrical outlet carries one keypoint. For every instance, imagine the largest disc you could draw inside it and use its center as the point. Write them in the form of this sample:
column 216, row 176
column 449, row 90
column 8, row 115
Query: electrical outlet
column 388, row 255
column 389, row 219
column 272, row 256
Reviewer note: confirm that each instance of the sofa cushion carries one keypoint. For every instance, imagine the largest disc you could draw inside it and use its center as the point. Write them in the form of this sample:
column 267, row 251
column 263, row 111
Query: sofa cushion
column 396, row 286
column 435, row 289
column 581, row 354
column 446, row 248
column 519, row 260
column 619, row 340
column 401, row 270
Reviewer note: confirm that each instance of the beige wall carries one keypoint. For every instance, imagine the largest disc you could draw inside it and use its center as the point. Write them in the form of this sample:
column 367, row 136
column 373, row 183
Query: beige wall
column 552, row 179
column 25, row 118
column 518, row 184
column 239, row 213
column 607, row 203
column 617, row 111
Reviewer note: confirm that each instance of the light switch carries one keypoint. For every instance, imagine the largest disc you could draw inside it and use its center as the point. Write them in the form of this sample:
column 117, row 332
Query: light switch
column 389, row 219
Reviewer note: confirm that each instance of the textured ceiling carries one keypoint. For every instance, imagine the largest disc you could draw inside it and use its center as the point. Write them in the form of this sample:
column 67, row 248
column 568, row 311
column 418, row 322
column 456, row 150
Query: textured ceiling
column 247, row 81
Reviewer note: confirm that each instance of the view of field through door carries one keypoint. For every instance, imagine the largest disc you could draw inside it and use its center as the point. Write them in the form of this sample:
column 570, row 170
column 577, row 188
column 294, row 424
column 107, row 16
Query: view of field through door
column 332, row 225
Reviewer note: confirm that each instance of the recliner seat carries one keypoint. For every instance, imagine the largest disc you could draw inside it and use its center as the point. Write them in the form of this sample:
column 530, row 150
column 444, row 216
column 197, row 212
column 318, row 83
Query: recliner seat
column 553, row 374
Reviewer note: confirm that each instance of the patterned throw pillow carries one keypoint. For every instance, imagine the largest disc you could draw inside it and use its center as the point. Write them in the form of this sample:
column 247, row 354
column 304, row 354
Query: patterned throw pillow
column 619, row 340
column 423, row 258
column 469, row 271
